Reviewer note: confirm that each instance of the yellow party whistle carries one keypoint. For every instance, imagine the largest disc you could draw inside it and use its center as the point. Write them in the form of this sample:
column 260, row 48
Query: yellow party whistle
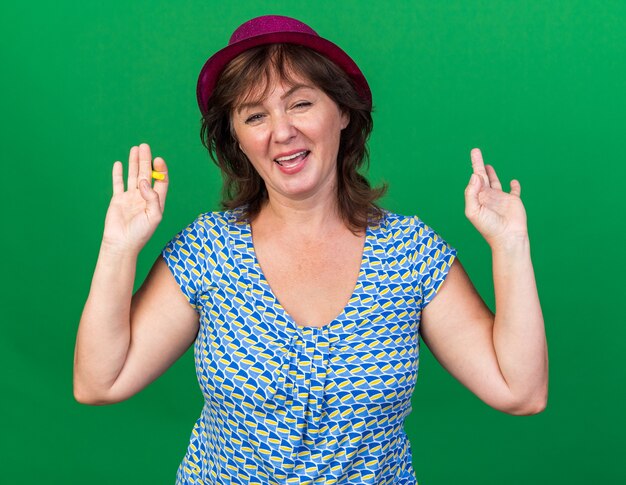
column 158, row 175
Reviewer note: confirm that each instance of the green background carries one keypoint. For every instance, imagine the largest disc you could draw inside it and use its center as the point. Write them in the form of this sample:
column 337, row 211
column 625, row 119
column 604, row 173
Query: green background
column 539, row 86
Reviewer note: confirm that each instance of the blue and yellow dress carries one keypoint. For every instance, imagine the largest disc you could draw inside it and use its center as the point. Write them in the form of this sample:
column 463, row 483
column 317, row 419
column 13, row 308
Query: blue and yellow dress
column 285, row 404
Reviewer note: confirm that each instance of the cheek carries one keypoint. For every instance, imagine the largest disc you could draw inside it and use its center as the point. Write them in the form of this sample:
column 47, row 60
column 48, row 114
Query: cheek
column 326, row 132
column 251, row 143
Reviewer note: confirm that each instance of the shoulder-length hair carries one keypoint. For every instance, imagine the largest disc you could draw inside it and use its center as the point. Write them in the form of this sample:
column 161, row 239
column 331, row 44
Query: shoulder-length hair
column 248, row 78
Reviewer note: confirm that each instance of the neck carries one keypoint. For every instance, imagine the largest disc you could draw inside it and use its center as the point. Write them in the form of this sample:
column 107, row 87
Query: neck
column 310, row 217
column 303, row 216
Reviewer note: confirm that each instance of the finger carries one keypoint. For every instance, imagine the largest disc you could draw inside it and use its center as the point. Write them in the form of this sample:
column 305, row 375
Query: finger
column 161, row 186
column 133, row 168
column 494, row 181
column 478, row 165
column 153, row 207
column 118, row 178
column 472, row 205
column 516, row 188
column 145, row 163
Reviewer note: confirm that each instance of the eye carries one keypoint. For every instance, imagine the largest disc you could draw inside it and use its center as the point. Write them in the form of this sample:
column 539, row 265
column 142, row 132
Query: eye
column 302, row 104
column 254, row 118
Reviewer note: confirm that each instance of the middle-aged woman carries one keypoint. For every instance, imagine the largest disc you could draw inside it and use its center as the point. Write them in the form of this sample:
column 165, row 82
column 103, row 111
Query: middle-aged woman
column 304, row 298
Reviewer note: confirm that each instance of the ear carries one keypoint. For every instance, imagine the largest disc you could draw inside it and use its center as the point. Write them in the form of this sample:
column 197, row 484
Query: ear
column 345, row 119
column 243, row 151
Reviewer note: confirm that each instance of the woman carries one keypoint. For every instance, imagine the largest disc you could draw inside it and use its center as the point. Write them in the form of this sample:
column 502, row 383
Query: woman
column 304, row 298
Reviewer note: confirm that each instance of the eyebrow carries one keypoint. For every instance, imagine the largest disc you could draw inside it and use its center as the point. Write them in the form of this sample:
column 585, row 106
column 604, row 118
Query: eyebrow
column 289, row 92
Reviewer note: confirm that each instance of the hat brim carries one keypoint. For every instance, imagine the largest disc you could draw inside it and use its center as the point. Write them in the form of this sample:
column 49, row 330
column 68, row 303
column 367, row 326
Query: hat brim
column 214, row 66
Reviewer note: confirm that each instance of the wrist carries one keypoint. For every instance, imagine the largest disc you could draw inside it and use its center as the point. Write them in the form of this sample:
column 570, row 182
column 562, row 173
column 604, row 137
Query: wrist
column 513, row 244
column 118, row 251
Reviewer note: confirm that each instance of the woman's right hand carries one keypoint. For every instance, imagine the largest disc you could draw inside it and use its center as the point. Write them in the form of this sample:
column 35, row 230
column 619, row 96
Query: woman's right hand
column 134, row 213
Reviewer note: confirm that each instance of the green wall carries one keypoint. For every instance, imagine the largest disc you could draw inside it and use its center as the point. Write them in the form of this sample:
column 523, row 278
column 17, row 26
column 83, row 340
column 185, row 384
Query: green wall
column 538, row 85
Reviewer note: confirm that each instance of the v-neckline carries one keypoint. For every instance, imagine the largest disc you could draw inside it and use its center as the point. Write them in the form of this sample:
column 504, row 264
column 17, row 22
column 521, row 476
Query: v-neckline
column 278, row 305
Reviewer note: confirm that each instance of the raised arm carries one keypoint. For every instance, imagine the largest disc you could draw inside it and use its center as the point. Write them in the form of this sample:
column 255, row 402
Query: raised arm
column 503, row 359
column 124, row 341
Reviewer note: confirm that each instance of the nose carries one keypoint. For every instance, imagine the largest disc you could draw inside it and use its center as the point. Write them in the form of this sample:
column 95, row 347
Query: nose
column 283, row 129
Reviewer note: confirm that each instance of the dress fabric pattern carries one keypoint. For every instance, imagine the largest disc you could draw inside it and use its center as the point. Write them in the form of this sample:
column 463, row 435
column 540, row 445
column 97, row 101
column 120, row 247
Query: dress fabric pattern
column 286, row 404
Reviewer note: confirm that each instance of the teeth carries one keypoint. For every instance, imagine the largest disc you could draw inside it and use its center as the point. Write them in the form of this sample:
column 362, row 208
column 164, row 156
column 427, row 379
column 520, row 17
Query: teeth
column 290, row 157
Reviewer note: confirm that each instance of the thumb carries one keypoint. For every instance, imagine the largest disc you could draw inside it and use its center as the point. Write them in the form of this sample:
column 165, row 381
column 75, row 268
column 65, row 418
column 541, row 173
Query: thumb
column 516, row 188
column 153, row 208
column 472, row 206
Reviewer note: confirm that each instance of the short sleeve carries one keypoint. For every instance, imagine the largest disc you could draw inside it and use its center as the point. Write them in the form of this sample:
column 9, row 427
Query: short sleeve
column 186, row 258
column 432, row 260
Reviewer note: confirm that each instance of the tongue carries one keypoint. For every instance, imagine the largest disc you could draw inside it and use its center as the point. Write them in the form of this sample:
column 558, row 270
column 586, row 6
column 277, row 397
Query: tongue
column 292, row 162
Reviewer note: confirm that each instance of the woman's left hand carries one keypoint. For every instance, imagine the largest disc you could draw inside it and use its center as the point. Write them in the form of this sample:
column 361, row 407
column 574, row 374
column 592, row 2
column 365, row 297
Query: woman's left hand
column 498, row 216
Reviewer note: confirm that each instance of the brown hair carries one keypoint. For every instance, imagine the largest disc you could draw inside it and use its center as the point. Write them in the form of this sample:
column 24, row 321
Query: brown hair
column 243, row 187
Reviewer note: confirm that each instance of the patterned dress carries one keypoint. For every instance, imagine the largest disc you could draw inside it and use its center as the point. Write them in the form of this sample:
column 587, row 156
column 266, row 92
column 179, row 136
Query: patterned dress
column 285, row 404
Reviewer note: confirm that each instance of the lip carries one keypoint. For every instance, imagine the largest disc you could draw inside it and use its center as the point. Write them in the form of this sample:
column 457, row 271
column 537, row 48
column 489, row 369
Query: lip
column 294, row 168
column 288, row 154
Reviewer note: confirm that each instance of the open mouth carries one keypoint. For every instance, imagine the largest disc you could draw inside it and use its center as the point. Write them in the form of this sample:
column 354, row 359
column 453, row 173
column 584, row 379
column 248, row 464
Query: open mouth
column 292, row 160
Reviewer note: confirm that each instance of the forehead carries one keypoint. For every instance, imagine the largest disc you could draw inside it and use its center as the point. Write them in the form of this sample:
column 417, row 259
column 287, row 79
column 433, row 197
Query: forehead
column 282, row 91
column 270, row 82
